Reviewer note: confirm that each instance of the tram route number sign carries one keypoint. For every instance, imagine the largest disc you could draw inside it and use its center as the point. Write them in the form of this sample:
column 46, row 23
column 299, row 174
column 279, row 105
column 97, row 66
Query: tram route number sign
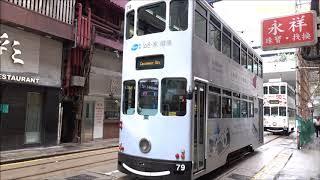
column 289, row 31
column 180, row 169
column 150, row 62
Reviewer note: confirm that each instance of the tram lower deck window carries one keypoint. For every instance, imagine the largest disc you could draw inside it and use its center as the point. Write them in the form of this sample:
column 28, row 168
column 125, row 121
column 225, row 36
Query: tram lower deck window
column 129, row 90
column 173, row 96
column 148, row 97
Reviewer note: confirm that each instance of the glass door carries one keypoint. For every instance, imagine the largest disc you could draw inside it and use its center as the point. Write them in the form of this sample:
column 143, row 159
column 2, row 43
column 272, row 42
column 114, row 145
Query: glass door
column 33, row 118
column 199, row 121
column 87, row 128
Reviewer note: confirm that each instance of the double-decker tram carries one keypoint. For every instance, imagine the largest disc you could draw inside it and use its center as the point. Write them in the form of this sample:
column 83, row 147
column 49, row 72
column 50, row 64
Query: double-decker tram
column 192, row 91
column 279, row 107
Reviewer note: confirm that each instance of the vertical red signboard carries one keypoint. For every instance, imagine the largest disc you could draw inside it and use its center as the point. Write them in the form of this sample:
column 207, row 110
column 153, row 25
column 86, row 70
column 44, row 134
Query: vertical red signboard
column 289, row 31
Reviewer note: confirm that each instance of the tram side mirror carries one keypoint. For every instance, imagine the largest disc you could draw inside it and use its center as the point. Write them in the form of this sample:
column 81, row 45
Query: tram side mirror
column 189, row 95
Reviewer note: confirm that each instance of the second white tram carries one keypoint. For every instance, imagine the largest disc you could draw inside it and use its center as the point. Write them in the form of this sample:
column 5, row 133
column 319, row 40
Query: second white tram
column 191, row 91
column 279, row 107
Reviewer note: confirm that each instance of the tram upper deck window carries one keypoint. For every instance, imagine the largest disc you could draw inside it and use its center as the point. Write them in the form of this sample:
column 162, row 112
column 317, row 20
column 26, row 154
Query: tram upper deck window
column 129, row 90
column 130, row 25
column 173, row 96
column 265, row 90
column 151, row 19
column 214, row 33
column 260, row 70
column 255, row 67
column 201, row 22
column 250, row 63
column 266, row 111
column 243, row 57
column 178, row 15
column 148, row 97
column 236, row 50
column 283, row 89
column 273, row 89
column 226, row 42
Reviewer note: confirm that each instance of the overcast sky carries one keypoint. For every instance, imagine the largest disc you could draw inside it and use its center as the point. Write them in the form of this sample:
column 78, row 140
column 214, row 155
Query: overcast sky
column 246, row 16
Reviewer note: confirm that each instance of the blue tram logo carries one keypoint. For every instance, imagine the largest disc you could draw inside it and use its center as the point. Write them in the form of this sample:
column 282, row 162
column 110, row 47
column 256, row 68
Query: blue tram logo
column 135, row 47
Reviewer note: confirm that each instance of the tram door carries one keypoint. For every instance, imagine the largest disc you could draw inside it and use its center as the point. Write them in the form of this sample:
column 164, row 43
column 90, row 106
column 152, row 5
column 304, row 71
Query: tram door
column 199, row 120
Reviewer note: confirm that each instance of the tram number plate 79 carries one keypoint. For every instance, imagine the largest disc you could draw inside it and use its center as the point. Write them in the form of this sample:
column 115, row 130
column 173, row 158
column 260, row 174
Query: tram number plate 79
column 180, row 167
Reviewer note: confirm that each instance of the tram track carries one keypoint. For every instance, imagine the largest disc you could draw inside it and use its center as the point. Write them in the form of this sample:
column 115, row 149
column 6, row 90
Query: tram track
column 40, row 168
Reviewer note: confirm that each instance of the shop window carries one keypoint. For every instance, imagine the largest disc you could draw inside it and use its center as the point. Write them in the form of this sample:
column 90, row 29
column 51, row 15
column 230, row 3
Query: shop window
column 112, row 108
column 173, row 96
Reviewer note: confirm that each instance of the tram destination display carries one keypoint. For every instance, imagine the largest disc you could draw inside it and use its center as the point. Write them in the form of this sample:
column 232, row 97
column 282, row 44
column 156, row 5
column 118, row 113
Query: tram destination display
column 150, row 62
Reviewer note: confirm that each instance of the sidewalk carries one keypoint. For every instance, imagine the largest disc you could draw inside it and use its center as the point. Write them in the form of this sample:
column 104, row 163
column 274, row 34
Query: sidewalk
column 42, row 152
column 304, row 163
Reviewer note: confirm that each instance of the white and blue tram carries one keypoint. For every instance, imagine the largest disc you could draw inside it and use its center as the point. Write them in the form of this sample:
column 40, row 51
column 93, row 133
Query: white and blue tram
column 192, row 91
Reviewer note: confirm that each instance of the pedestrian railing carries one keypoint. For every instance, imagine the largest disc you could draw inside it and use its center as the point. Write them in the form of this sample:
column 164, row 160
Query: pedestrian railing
column 61, row 10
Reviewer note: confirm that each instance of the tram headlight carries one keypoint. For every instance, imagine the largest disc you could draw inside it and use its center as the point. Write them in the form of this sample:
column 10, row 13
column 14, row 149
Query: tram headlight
column 144, row 145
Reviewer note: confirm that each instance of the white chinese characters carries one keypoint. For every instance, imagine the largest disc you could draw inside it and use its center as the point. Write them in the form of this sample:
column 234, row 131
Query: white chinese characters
column 294, row 29
column 297, row 22
column 4, row 42
column 275, row 28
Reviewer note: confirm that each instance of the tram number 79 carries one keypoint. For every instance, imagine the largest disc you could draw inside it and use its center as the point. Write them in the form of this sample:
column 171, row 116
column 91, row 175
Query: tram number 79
column 180, row 167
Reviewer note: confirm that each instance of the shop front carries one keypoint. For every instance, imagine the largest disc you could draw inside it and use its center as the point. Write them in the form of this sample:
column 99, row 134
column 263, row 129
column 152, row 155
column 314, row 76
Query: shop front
column 102, row 104
column 30, row 88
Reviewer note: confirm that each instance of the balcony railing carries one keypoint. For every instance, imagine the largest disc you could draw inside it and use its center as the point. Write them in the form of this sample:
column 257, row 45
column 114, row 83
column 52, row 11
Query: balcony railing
column 61, row 10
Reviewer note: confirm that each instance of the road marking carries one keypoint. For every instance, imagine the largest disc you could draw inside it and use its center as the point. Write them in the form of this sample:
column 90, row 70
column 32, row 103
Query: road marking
column 111, row 172
column 274, row 166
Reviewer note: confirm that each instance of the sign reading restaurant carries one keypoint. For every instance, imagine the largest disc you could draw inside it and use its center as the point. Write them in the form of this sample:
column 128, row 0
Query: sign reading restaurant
column 25, row 79
column 5, row 43
column 289, row 31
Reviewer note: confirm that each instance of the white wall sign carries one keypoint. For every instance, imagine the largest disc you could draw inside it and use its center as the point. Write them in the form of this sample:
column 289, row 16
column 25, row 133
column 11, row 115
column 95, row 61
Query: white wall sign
column 25, row 79
column 4, row 42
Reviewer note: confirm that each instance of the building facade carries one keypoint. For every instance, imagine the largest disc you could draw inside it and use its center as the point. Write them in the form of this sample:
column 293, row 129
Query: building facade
column 32, row 41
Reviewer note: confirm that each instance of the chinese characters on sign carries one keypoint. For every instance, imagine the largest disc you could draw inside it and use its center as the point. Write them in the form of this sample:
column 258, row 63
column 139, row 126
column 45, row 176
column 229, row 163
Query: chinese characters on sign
column 289, row 31
column 4, row 43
